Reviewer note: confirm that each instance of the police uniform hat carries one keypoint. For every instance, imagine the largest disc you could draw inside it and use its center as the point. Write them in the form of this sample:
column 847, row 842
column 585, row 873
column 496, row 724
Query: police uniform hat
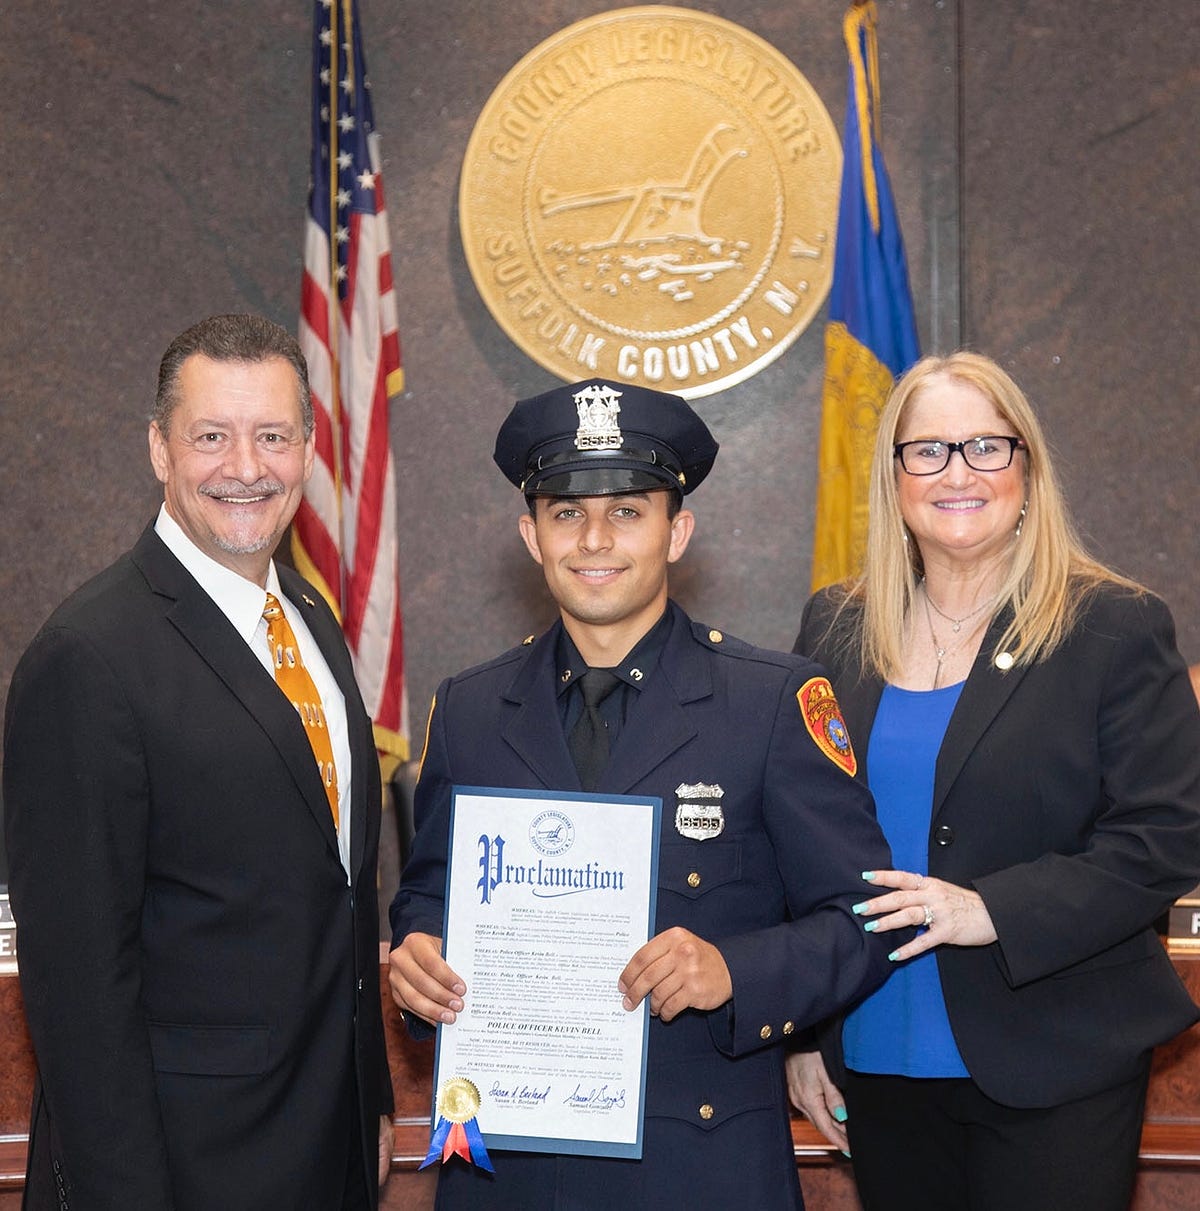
column 601, row 438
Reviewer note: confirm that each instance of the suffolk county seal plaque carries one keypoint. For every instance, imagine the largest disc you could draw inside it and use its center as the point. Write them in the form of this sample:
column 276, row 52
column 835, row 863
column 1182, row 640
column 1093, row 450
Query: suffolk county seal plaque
column 651, row 195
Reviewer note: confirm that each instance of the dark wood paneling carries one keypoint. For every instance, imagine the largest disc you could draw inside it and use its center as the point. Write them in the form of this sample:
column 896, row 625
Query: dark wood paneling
column 1169, row 1179
column 16, row 1066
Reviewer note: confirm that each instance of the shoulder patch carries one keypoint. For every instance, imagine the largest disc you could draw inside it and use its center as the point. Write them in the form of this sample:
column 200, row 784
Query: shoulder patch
column 823, row 718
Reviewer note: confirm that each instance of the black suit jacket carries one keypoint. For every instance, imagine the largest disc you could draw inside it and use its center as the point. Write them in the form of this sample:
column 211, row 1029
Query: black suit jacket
column 201, row 982
column 1068, row 795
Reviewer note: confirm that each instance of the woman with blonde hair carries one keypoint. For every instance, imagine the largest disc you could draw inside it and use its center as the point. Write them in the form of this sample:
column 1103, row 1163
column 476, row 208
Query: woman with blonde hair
column 1029, row 733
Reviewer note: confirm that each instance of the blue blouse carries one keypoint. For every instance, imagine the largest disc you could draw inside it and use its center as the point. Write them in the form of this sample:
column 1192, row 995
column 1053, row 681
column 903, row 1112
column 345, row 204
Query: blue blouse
column 902, row 1028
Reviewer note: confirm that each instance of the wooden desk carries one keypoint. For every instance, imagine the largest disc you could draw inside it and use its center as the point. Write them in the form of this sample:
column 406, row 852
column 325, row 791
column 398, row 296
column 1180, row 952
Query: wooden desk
column 1169, row 1175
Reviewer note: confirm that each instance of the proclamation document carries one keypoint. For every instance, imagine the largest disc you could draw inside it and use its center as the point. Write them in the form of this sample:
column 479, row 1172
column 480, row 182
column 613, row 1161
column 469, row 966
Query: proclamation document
column 548, row 896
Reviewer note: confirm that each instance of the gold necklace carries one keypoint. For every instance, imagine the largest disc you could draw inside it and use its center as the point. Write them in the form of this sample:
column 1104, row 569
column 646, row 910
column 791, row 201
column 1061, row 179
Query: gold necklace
column 943, row 652
column 955, row 623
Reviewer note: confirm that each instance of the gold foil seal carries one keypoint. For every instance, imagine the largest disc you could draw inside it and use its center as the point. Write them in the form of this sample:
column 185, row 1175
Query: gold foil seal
column 458, row 1100
column 650, row 196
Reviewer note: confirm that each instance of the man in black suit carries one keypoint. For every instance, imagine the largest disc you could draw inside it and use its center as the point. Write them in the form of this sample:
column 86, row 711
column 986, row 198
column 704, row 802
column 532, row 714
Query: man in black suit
column 196, row 903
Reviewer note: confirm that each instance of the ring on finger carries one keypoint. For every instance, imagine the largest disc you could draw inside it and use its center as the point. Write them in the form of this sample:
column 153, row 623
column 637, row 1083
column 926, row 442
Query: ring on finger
column 928, row 915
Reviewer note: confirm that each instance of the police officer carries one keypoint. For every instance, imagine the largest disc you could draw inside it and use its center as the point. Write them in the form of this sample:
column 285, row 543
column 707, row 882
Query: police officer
column 765, row 830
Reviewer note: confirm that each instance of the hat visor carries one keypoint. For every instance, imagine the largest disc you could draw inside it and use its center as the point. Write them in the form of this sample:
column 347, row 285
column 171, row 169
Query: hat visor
column 599, row 481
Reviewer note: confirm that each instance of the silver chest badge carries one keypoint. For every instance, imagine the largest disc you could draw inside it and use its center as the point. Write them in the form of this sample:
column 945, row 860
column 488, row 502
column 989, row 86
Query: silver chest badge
column 598, row 409
column 698, row 813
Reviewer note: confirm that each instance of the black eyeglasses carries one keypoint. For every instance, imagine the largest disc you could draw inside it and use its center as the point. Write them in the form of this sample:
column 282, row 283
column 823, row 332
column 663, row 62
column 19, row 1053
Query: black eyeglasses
column 929, row 456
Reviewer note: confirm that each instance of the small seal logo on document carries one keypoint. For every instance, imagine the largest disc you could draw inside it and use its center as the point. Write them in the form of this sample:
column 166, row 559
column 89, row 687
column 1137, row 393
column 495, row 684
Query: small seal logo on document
column 551, row 833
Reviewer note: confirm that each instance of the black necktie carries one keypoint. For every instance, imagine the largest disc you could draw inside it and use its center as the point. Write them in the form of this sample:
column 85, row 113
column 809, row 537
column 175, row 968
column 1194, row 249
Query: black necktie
column 588, row 740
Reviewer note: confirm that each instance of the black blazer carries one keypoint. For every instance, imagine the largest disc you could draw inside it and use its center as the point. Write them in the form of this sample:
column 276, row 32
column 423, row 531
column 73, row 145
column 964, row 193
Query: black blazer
column 1068, row 795
column 201, row 983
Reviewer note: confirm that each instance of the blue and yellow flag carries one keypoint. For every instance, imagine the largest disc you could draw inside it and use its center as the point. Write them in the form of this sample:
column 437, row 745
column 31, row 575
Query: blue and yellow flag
column 871, row 336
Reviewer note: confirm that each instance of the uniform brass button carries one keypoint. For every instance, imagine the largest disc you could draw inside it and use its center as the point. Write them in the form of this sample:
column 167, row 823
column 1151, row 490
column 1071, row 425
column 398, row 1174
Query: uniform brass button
column 789, row 1027
column 765, row 1032
column 706, row 1112
column 694, row 879
column 715, row 636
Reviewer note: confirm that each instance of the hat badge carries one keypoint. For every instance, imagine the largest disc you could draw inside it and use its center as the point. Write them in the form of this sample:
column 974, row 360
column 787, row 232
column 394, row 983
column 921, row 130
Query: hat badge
column 598, row 408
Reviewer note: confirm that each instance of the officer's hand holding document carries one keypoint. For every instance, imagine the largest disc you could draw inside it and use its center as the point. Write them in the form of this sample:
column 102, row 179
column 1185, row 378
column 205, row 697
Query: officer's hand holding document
column 548, row 895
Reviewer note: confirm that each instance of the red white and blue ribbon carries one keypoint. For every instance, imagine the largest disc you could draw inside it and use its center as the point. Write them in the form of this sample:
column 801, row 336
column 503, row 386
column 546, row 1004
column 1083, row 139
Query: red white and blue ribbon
column 457, row 1130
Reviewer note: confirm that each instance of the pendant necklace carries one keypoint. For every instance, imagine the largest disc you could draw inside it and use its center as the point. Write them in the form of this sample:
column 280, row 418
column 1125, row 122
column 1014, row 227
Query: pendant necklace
column 941, row 651
column 955, row 623
column 937, row 647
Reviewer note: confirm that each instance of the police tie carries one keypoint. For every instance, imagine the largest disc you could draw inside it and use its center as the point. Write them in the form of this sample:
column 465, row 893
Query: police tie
column 588, row 740
column 293, row 679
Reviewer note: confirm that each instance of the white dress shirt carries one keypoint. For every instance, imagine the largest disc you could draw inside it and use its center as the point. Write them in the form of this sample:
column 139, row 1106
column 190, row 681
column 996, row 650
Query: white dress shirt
column 242, row 602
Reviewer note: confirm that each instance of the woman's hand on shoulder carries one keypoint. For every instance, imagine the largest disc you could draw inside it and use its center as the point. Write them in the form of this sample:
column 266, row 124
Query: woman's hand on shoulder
column 948, row 915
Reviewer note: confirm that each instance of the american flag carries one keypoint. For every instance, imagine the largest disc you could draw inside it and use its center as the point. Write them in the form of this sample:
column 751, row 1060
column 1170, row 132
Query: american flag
column 344, row 535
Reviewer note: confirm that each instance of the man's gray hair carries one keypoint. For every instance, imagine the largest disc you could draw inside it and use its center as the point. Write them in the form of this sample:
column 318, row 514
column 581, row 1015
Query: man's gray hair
column 230, row 338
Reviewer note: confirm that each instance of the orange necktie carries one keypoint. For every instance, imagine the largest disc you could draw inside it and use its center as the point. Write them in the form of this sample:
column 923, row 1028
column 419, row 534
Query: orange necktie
column 293, row 679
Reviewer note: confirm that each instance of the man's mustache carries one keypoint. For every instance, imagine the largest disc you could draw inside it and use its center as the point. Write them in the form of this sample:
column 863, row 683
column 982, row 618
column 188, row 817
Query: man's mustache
column 232, row 490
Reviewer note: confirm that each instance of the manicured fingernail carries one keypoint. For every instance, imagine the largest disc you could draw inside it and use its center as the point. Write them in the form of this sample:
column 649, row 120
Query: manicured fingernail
column 869, row 876
column 894, row 957
column 839, row 1114
column 846, row 1154
column 859, row 908
column 871, row 926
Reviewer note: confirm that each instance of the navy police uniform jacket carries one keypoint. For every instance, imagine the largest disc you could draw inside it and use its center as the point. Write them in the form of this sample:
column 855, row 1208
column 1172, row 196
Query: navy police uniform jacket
column 773, row 891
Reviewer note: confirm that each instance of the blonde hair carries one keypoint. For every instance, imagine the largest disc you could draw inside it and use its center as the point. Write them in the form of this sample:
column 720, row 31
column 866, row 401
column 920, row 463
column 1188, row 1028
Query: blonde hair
column 1049, row 571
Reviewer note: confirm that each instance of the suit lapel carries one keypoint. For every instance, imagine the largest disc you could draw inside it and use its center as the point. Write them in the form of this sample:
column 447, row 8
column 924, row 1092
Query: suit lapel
column 531, row 725
column 986, row 691
column 658, row 725
column 206, row 629
column 983, row 696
